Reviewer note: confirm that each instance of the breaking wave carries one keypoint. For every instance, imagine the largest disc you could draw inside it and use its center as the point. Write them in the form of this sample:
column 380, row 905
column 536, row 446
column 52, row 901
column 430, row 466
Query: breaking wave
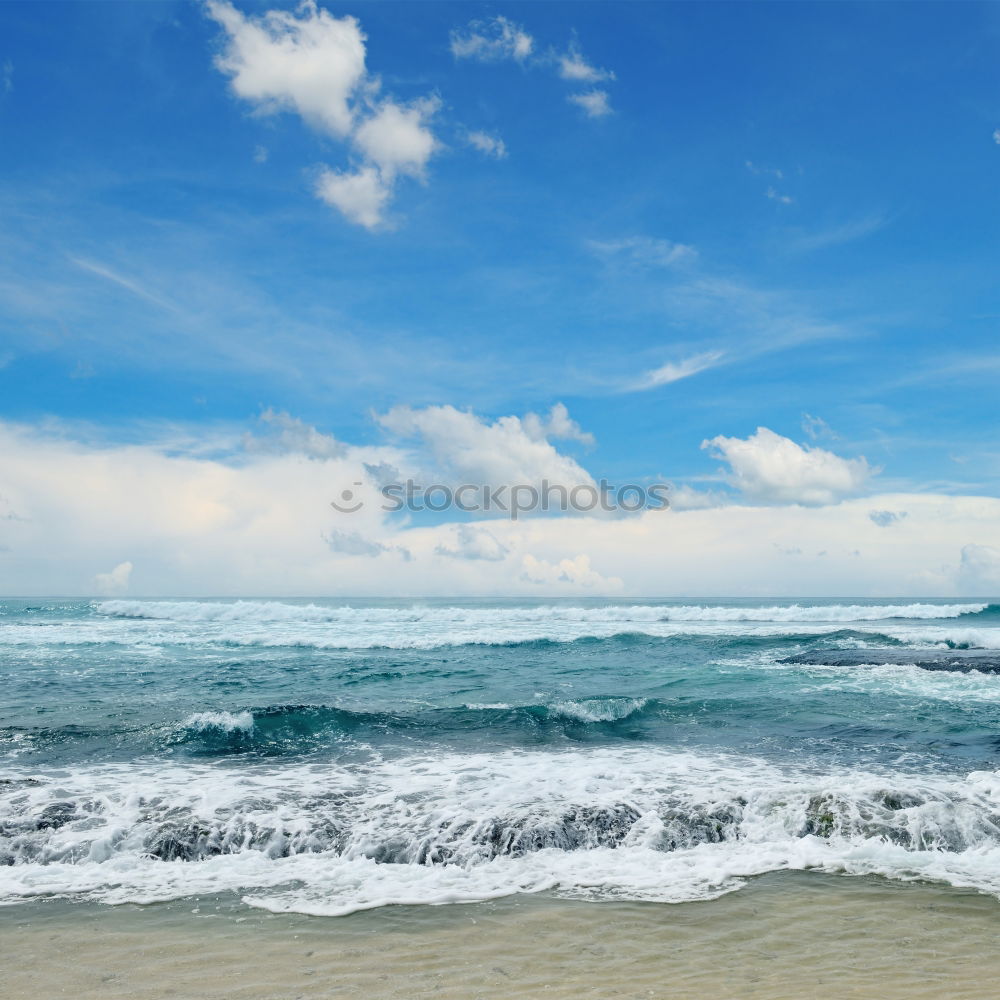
column 638, row 824
column 276, row 611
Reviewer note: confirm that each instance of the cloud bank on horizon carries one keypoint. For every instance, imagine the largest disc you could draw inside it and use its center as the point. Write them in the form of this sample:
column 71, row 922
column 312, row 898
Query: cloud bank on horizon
column 255, row 519
column 271, row 253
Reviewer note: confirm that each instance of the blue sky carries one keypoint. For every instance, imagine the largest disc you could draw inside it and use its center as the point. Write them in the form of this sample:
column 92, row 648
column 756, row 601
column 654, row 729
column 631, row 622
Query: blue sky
column 776, row 215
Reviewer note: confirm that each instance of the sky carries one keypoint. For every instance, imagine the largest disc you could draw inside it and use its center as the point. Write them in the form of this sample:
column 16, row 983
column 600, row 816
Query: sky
column 254, row 254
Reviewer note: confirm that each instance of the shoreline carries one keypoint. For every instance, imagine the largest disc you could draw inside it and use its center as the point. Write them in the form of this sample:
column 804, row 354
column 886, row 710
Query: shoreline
column 784, row 935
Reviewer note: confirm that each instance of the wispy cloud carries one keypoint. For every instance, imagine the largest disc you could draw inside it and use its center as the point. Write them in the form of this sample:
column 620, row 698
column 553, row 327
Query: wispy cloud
column 845, row 232
column 674, row 371
column 488, row 145
column 498, row 39
column 759, row 171
column 738, row 319
column 129, row 284
column 492, row 40
column 644, row 251
column 573, row 66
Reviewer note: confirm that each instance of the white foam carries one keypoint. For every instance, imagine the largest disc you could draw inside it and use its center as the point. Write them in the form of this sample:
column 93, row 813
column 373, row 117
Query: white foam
column 598, row 709
column 223, row 721
column 276, row 611
column 636, row 823
column 150, row 625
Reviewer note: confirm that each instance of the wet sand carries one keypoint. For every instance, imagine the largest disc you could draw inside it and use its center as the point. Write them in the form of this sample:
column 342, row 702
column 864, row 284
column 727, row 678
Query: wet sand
column 793, row 935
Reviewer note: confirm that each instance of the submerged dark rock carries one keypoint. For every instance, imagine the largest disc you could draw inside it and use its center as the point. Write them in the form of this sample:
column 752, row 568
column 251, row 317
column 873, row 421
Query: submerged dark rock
column 986, row 661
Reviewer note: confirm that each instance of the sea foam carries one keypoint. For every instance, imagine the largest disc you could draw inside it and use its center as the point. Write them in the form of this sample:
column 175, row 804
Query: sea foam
column 637, row 823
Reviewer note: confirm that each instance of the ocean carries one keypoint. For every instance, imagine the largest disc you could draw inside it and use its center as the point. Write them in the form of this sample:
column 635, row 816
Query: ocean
column 328, row 756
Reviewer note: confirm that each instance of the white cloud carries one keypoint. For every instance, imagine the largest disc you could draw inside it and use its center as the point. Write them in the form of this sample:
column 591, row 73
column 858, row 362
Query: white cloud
column 846, row 232
column 817, row 427
column 774, row 195
column 644, row 251
column 770, row 468
column 313, row 64
column 688, row 498
column 473, row 543
column 7, row 77
column 996, row 136
column 500, row 39
column 130, row 285
column 397, row 139
column 577, row 573
column 260, row 154
column 595, row 103
column 488, row 145
column 558, row 424
column 979, row 569
column 289, row 435
column 491, row 41
column 573, row 66
column 466, row 448
column 115, row 582
column 361, row 196
column 674, row 371
column 306, row 61
column 262, row 523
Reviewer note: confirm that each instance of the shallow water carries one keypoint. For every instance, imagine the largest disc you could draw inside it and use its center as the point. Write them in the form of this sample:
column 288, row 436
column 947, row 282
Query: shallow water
column 785, row 937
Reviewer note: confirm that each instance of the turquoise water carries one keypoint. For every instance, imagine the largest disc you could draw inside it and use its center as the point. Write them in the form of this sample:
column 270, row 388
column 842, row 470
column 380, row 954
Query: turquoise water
column 324, row 756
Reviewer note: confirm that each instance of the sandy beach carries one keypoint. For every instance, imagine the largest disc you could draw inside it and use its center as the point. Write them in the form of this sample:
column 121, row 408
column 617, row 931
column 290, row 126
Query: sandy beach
column 788, row 935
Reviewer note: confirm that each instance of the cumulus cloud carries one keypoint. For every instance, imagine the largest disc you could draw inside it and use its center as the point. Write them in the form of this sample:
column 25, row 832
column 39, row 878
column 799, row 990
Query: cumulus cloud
column 594, row 103
column 577, row 573
column 769, row 468
column 886, row 518
column 115, row 582
column 286, row 434
column 313, row 64
column 557, row 424
column 467, row 448
column 674, row 371
column 262, row 523
column 307, row 61
column 492, row 41
column 472, row 543
column 488, row 145
column 361, row 196
column 397, row 139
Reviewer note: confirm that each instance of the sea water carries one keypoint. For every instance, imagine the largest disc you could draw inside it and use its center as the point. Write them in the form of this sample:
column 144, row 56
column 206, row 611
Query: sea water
column 326, row 756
